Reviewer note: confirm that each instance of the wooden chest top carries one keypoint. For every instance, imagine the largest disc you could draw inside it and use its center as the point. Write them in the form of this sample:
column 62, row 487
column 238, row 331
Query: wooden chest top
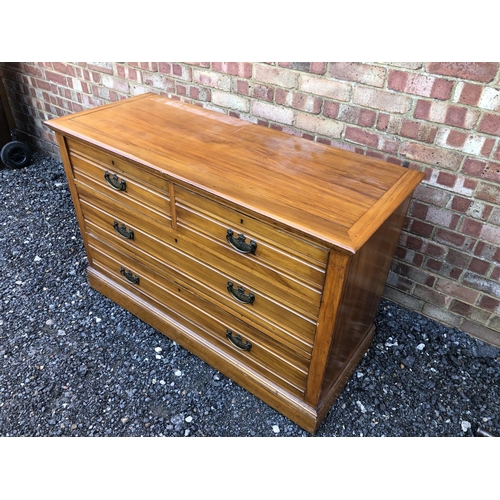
column 336, row 197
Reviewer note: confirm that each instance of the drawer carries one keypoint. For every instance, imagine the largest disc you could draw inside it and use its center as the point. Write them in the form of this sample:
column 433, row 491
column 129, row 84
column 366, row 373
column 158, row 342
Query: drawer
column 131, row 189
column 245, row 269
column 126, row 234
column 156, row 220
column 246, row 344
column 274, row 247
column 108, row 161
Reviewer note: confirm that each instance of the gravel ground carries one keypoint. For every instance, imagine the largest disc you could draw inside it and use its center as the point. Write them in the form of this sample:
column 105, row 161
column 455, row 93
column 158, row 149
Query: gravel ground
column 72, row 363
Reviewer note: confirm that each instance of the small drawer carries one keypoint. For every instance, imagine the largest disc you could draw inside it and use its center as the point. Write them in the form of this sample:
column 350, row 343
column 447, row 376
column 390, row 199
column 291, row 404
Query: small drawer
column 118, row 165
column 244, row 343
column 157, row 217
column 129, row 236
column 273, row 246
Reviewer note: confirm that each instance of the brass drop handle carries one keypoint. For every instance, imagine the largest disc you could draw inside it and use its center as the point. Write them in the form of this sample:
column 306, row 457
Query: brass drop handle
column 129, row 276
column 115, row 182
column 240, row 243
column 123, row 231
column 238, row 342
column 239, row 294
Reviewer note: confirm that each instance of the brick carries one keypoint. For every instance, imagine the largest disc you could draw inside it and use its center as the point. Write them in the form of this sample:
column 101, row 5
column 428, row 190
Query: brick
column 402, row 298
column 490, row 233
column 101, row 67
column 331, row 109
column 212, row 79
column 56, row 78
column 263, row 92
column 284, row 78
column 471, row 227
column 421, row 228
column 456, row 290
column 489, row 303
column 241, row 69
column 432, row 195
column 442, row 217
column 415, row 130
column 361, row 136
column 159, row 81
column 324, row 87
column 243, row 87
column 452, row 238
column 473, row 167
column 417, row 84
column 476, row 71
column 274, row 113
column 495, row 274
column 358, row 72
column 495, row 216
column 381, row 100
column 318, row 68
column 298, row 100
column 229, row 100
column 488, row 192
column 64, row 68
column 490, row 99
column 182, row 72
column 479, row 210
column 318, row 125
column 400, row 283
column 430, row 295
column 479, row 266
column 490, row 124
column 468, row 93
column 446, row 179
column 481, row 284
column 458, row 259
column 441, row 112
column 115, row 83
column 439, row 314
column 431, row 155
column 418, row 210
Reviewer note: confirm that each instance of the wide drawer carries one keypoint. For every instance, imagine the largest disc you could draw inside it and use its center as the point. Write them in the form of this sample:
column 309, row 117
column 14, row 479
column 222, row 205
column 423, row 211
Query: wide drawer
column 246, row 344
column 274, row 247
column 167, row 257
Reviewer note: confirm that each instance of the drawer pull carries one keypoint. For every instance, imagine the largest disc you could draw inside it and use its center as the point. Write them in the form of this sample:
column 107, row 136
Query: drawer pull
column 129, row 276
column 239, row 243
column 238, row 342
column 115, row 182
column 239, row 294
column 123, row 231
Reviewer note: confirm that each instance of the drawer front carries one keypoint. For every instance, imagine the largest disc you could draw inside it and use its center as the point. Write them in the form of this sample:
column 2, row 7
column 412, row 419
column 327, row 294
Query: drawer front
column 128, row 189
column 274, row 247
column 108, row 161
column 246, row 344
column 156, row 221
column 168, row 258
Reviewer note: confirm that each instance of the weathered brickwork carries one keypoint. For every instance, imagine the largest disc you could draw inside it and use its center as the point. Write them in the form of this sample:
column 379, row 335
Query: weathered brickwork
column 441, row 118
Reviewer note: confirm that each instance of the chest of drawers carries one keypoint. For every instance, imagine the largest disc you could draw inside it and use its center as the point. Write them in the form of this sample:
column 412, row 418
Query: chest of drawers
column 262, row 253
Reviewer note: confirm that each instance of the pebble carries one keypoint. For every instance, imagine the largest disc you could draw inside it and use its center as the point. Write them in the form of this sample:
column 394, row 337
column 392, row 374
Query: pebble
column 276, row 429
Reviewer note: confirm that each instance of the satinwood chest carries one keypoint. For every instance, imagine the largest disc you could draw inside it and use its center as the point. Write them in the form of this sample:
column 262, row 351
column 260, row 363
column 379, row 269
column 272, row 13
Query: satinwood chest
column 260, row 252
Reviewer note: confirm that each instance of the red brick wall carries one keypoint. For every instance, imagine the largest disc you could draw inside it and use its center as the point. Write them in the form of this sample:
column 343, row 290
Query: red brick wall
column 440, row 118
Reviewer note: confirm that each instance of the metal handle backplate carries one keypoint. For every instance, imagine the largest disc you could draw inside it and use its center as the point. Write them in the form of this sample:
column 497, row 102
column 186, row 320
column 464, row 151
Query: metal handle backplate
column 128, row 275
column 123, row 231
column 239, row 294
column 238, row 341
column 240, row 243
column 115, row 182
